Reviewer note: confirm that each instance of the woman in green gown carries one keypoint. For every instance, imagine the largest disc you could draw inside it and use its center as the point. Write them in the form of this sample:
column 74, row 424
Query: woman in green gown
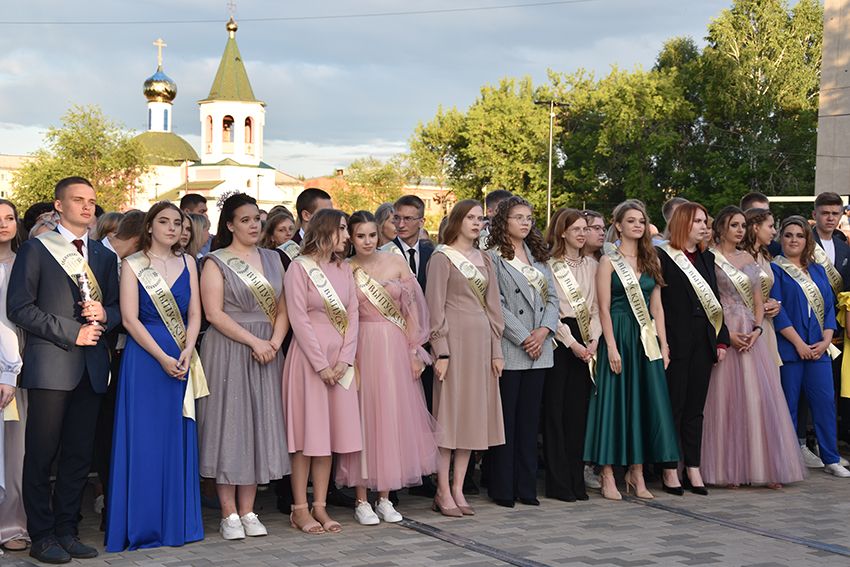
column 629, row 419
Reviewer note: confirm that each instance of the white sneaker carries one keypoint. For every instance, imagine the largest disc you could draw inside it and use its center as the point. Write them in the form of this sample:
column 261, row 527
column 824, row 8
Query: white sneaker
column 387, row 512
column 591, row 480
column 252, row 525
column 837, row 470
column 364, row 514
column 231, row 528
column 98, row 505
column 811, row 460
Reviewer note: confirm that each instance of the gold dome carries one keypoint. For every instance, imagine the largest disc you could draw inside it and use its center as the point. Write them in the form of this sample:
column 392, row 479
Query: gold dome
column 159, row 87
column 231, row 27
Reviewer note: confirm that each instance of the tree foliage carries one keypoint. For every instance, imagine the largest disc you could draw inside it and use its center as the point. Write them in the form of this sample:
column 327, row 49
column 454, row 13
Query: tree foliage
column 708, row 124
column 89, row 145
column 369, row 182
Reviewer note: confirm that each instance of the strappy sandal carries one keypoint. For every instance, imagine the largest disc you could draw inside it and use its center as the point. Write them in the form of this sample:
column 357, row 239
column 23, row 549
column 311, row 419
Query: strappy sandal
column 331, row 526
column 312, row 528
column 17, row 544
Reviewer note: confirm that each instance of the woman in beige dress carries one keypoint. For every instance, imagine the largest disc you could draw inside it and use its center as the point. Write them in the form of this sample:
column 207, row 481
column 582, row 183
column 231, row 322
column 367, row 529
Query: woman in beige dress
column 466, row 333
column 760, row 232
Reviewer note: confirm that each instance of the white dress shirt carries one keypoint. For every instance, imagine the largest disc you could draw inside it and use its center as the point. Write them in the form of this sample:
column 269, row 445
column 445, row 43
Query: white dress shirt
column 829, row 247
column 405, row 247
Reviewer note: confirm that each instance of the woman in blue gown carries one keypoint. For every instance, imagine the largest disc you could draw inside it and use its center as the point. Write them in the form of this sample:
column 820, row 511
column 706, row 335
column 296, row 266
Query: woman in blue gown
column 154, row 497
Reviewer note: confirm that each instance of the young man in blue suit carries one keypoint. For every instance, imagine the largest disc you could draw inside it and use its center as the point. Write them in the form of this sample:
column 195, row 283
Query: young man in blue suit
column 66, row 365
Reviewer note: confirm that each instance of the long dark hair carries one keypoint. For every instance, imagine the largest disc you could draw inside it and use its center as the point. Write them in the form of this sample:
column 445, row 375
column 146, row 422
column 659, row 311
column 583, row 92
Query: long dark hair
column 561, row 221
column 320, row 235
column 721, row 222
column 647, row 257
column 224, row 237
column 754, row 218
column 145, row 240
column 499, row 237
column 455, row 220
column 18, row 227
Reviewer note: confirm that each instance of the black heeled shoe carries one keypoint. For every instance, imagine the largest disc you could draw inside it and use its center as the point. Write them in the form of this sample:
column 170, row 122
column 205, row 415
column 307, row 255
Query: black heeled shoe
column 504, row 503
column 530, row 501
column 674, row 490
column 701, row 490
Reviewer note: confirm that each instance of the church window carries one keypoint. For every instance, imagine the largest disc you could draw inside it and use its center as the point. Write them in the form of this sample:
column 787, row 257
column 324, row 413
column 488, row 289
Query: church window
column 150, row 119
column 165, row 120
column 249, row 131
column 209, row 133
column 227, row 129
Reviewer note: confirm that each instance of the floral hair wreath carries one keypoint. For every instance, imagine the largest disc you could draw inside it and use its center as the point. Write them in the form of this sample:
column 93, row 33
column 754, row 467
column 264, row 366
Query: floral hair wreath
column 225, row 196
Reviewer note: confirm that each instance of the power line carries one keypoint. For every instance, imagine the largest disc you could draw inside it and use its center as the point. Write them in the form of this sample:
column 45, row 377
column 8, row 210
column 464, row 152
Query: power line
column 297, row 18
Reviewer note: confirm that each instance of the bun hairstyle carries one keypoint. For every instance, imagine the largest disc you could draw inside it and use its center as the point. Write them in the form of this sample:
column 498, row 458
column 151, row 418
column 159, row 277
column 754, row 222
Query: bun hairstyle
column 224, row 237
column 501, row 240
column 320, row 236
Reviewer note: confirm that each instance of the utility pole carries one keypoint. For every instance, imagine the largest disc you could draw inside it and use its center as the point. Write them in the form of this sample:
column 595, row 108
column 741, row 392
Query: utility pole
column 551, row 104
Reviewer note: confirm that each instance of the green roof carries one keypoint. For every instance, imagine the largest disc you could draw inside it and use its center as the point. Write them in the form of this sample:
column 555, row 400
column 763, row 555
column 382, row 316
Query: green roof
column 166, row 148
column 190, row 187
column 231, row 80
column 232, row 163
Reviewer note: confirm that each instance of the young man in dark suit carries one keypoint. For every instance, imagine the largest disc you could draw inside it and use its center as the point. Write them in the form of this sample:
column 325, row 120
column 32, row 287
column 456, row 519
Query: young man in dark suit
column 308, row 202
column 66, row 366
column 409, row 219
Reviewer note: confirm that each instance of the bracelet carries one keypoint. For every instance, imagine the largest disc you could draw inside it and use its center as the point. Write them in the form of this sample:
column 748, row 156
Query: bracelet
column 760, row 329
column 443, row 357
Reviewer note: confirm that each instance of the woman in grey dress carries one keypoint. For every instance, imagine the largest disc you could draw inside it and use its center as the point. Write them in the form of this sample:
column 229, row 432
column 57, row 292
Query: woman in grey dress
column 242, row 441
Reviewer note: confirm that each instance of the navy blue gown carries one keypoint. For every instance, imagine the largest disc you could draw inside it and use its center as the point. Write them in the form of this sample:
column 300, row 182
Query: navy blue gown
column 154, row 495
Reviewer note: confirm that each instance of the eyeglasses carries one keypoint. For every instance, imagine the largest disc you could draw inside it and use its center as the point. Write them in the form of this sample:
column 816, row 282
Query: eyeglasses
column 403, row 220
column 596, row 227
column 522, row 219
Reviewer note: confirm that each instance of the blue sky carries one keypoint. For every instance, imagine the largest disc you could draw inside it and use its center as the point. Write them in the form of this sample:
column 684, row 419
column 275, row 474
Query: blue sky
column 335, row 89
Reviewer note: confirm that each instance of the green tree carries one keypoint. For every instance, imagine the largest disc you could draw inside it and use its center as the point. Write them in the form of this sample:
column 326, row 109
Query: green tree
column 89, row 145
column 370, row 182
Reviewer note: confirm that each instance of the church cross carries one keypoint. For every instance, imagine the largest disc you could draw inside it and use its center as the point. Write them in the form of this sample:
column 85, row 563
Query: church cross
column 231, row 7
column 159, row 45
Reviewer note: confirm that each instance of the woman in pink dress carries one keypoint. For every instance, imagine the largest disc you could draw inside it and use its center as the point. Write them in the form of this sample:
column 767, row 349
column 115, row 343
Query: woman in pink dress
column 747, row 437
column 320, row 405
column 466, row 341
column 398, row 432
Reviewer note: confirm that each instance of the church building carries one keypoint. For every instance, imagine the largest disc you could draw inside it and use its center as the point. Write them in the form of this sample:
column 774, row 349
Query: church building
column 232, row 120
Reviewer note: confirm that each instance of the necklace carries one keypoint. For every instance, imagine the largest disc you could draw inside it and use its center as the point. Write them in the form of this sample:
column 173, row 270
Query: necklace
column 161, row 259
column 573, row 262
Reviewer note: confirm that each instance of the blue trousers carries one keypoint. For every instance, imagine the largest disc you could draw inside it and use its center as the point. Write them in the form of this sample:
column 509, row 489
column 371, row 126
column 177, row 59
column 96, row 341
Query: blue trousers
column 815, row 378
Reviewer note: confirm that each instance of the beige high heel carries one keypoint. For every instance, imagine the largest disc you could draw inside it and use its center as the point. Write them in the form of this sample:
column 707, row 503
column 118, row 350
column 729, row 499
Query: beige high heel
column 641, row 493
column 613, row 495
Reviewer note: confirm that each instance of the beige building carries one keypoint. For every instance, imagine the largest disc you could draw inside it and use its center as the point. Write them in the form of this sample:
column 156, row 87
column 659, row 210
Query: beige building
column 9, row 164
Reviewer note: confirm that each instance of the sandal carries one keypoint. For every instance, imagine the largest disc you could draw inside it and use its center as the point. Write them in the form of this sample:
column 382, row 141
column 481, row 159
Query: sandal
column 312, row 528
column 331, row 526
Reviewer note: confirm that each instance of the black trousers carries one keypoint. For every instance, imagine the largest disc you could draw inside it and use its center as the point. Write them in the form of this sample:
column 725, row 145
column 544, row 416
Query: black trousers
column 513, row 466
column 60, row 423
column 687, row 382
column 105, row 426
column 566, row 395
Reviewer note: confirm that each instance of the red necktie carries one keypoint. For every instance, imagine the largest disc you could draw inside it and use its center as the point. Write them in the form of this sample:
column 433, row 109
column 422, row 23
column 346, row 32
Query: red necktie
column 79, row 244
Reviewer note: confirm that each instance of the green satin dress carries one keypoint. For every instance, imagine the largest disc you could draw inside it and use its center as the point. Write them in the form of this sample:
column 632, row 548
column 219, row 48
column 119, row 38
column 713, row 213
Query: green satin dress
column 629, row 419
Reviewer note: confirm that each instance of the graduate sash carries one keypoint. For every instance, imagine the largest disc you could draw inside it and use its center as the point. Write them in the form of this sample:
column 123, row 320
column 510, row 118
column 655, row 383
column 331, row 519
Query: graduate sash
column 290, row 248
column 393, row 249
column 255, row 281
column 477, row 281
column 812, row 293
column 843, row 309
column 535, row 277
column 166, row 305
column 648, row 335
column 569, row 285
column 832, row 274
column 739, row 279
column 334, row 306
column 703, row 291
column 764, row 280
column 379, row 297
column 70, row 260
column 10, row 412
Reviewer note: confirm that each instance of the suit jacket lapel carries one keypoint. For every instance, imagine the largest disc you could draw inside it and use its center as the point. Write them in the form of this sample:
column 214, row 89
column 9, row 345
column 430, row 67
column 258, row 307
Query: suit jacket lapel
column 520, row 280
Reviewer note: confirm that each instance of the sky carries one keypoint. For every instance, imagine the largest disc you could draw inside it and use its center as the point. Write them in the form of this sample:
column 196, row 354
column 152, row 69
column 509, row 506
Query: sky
column 336, row 88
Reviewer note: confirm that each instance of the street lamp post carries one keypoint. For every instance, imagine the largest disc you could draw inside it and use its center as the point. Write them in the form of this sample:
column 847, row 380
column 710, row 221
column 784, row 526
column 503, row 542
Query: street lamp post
column 551, row 104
